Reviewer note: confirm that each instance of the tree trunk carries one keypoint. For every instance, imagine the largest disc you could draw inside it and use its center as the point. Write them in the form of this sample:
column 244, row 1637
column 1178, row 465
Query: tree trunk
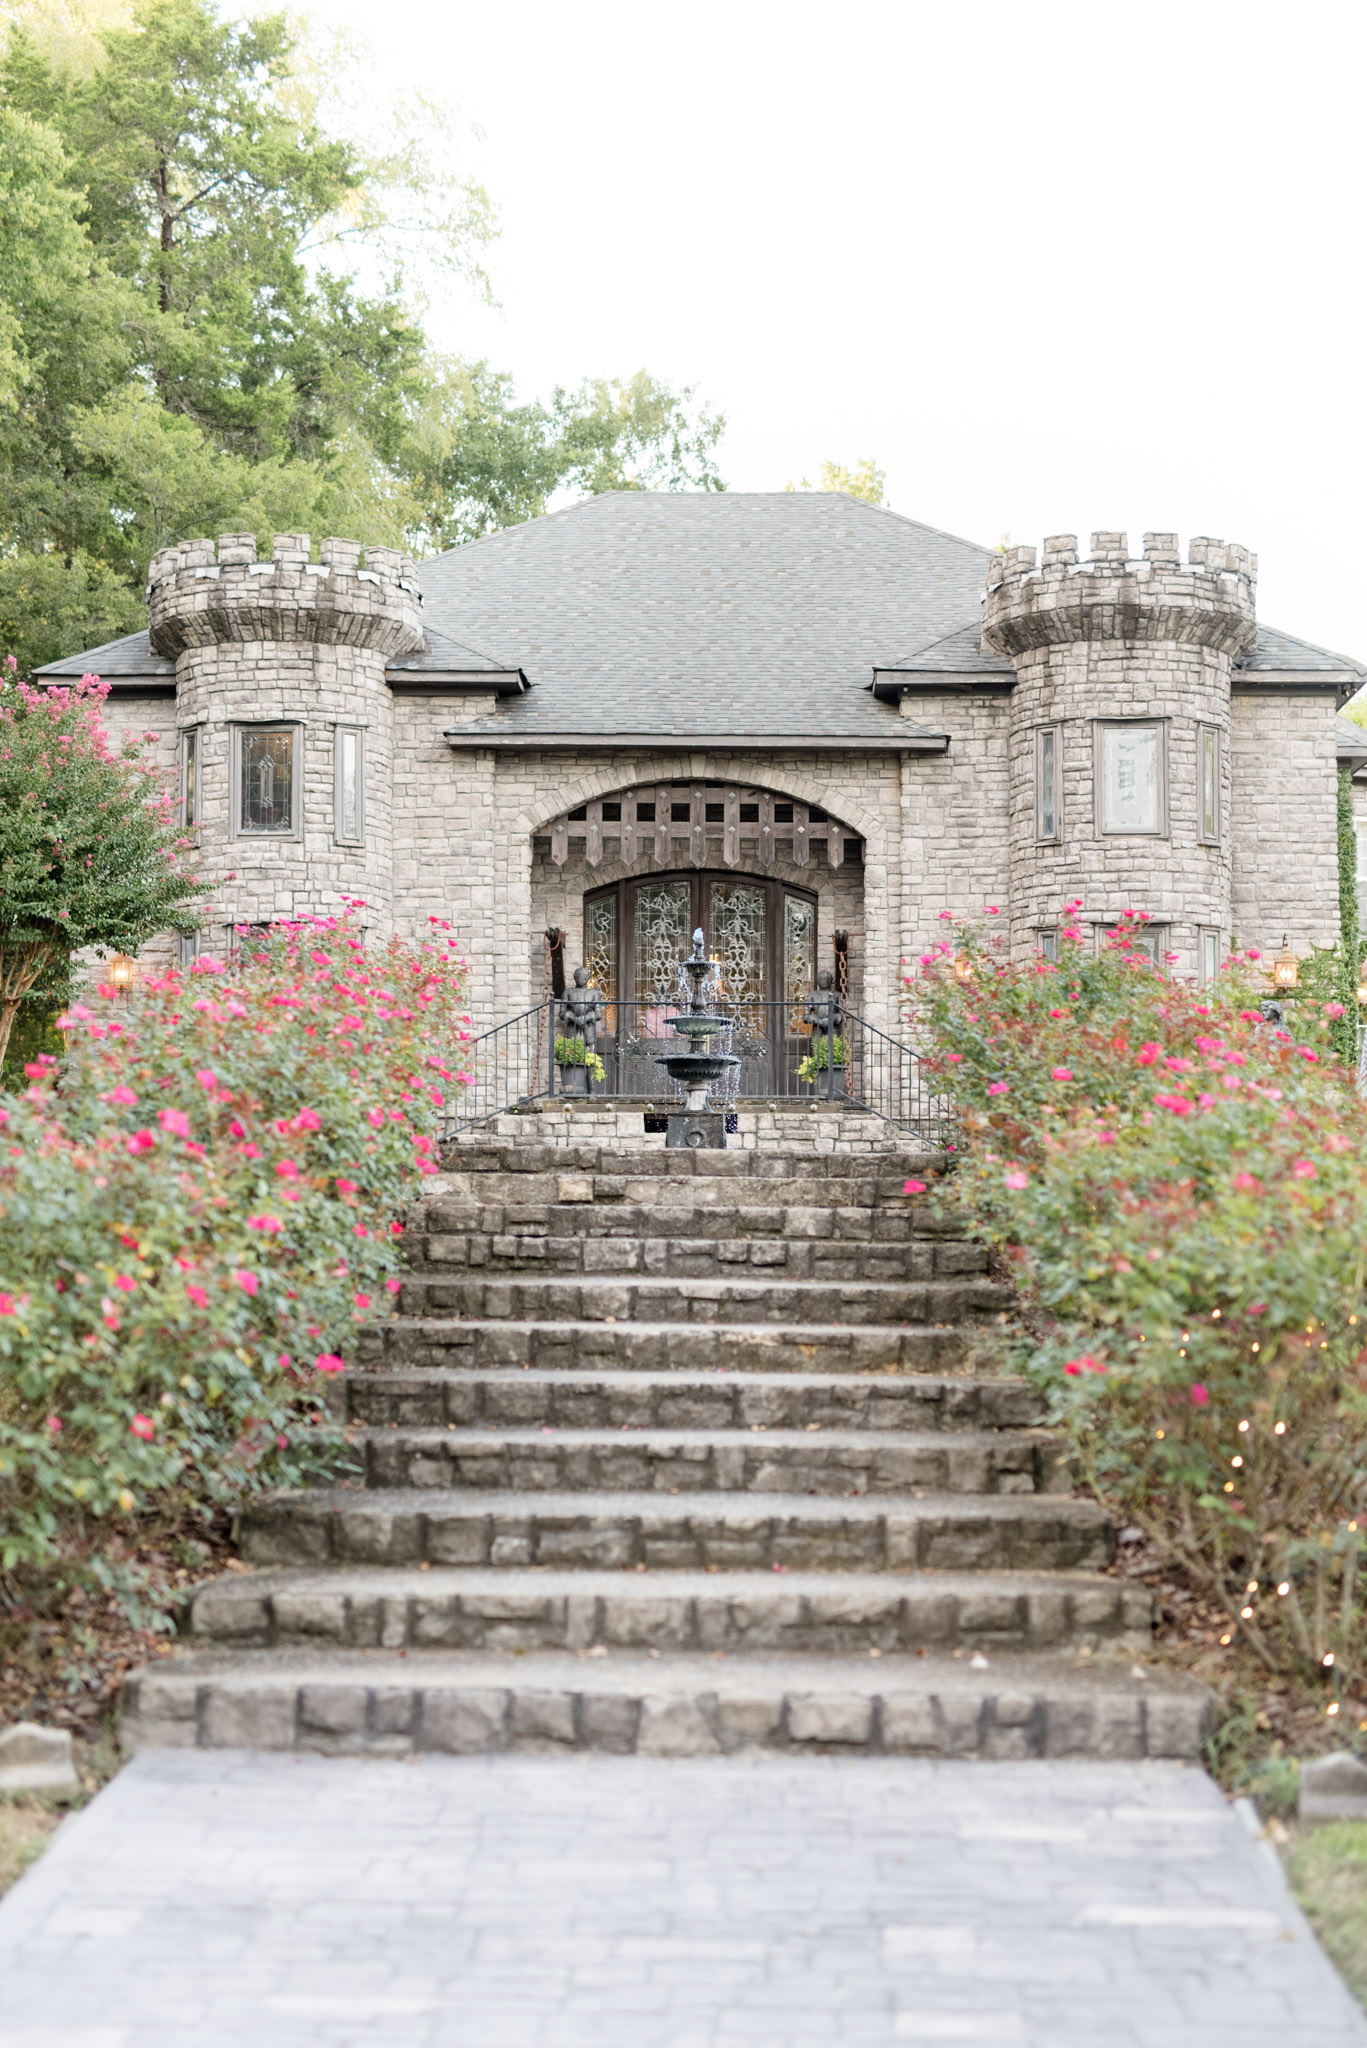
column 21, row 966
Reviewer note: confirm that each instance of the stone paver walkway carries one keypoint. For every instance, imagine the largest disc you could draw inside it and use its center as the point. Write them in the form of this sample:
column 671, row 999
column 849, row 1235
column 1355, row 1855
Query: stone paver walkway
column 240, row 1900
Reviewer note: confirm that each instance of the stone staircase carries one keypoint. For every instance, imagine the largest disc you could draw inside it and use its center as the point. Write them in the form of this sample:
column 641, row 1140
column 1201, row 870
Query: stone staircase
column 679, row 1453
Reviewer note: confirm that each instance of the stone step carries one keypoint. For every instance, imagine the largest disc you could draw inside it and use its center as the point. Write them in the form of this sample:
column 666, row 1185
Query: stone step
column 395, row 1703
column 673, row 1400
column 586, row 1216
column 740, row 1300
column 526, row 1248
column 792, row 1612
column 615, row 1531
column 758, row 1461
column 452, row 1199
column 884, row 1171
column 593, row 1347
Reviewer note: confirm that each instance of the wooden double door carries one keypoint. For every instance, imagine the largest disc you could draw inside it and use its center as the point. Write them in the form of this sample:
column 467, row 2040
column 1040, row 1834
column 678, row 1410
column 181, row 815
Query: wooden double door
column 761, row 933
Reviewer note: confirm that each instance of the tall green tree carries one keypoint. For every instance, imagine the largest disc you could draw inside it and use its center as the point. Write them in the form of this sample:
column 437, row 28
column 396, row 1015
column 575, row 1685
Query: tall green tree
column 186, row 343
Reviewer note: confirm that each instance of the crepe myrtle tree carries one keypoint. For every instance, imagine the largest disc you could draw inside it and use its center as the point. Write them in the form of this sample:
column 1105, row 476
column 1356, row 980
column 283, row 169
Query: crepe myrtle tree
column 90, row 854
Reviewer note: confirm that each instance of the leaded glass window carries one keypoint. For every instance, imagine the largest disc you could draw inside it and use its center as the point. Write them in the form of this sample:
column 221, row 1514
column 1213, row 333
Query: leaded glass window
column 189, row 783
column 267, row 779
column 600, row 944
column 1208, row 750
column 1131, row 778
column 799, row 947
column 1047, row 805
column 350, row 784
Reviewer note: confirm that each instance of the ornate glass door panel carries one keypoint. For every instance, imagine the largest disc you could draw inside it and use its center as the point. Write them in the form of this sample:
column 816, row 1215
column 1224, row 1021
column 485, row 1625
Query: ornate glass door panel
column 661, row 935
column 799, row 947
column 737, row 932
column 600, row 950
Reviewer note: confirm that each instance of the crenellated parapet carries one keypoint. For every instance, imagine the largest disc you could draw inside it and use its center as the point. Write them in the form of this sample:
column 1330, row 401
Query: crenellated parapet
column 206, row 596
column 1110, row 597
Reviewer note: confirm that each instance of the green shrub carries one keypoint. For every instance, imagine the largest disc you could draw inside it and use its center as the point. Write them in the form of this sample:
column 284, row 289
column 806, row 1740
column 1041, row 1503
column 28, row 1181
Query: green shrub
column 573, row 1052
column 197, row 1208
column 1181, row 1191
column 818, row 1060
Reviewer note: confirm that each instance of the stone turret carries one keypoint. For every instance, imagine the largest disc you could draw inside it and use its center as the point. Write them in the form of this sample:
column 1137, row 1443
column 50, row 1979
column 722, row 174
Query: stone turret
column 1120, row 732
column 284, row 711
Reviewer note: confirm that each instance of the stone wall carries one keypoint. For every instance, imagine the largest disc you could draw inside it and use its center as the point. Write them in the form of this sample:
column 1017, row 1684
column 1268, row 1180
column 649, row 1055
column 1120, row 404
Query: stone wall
column 953, row 816
column 1284, row 821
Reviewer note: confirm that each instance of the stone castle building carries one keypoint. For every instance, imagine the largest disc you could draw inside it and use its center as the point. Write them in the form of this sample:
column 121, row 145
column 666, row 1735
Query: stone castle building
column 806, row 723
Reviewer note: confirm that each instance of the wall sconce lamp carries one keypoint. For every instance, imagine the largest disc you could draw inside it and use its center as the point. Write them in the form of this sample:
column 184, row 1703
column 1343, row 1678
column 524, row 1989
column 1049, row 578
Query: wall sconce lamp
column 1286, row 968
column 122, row 973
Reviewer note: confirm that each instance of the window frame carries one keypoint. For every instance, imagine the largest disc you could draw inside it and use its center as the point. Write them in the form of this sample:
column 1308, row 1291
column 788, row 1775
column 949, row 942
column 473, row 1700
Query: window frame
column 1206, row 935
column 339, row 734
column 1043, row 735
column 191, row 740
column 1100, row 728
column 1209, row 736
column 295, row 728
column 1047, row 943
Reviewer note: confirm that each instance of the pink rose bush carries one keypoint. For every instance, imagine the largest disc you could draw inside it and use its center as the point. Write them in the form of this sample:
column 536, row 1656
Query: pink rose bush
column 192, row 1206
column 1180, row 1191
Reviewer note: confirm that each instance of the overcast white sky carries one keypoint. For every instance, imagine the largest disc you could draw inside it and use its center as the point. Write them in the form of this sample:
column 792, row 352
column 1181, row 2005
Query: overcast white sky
column 1056, row 267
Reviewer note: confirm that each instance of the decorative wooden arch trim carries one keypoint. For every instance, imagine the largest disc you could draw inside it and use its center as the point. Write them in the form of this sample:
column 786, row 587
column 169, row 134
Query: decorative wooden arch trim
column 704, row 823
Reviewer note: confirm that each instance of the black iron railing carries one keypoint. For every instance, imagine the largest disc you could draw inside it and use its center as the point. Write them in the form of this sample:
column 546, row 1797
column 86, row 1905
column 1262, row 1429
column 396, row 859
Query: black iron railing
column 787, row 1052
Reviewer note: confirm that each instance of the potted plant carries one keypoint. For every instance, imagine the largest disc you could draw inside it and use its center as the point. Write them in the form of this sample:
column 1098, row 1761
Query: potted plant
column 578, row 1066
column 826, row 1052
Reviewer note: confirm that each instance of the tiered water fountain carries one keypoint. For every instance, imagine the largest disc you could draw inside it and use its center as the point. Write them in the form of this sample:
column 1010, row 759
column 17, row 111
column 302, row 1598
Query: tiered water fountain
column 695, row 1125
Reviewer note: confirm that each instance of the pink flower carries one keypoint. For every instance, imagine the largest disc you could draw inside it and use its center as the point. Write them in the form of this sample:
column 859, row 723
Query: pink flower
column 1253, row 954
column 266, row 1223
column 393, row 1285
column 1306, row 1053
column 1333, row 1009
column 1178, row 1105
column 142, row 1141
column 914, row 1187
column 363, row 1301
column 143, row 1426
column 1177, row 1066
column 375, row 1118
column 345, row 1187
column 992, row 910
column 396, row 1230
column 207, row 1078
column 1199, row 1395
column 308, row 1120
column 53, row 1425
column 287, row 1169
column 1148, row 1053
column 248, row 1282
column 196, row 1294
column 1304, row 1169
column 328, row 1361
column 953, row 1058
column 250, row 1151
column 1018, row 1178
column 8, row 1305
column 121, row 1094
column 1245, row 1180
column 1061, row 1073
column 998, row 1088
column 175, row 1122
column 124, row 1284
column 1084, row 1364
column 359, row 1230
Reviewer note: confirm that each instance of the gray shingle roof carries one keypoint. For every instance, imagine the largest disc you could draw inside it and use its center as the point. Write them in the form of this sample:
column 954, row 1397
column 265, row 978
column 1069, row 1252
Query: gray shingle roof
column 117, row 660
column 679, row 614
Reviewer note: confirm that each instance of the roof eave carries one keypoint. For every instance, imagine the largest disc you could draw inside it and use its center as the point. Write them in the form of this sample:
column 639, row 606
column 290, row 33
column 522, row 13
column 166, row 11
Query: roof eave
column 912, row 742
column 505, row 682
column 891, row 685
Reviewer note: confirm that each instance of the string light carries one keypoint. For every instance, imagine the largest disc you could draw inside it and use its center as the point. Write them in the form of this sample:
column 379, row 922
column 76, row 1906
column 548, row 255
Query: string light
column 1332, row 1707
column 1245, row 1614
column 1284, row 1587
column 1279, row 1429
column 1215, row 1315
column 1236, row 1461
column 1253, row 1347
column 1229, row 1486
column 1160, row 1434
column 1252, row 1586
column 1243, row 1426
column 1225, row 1641
column 1327, row 1660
